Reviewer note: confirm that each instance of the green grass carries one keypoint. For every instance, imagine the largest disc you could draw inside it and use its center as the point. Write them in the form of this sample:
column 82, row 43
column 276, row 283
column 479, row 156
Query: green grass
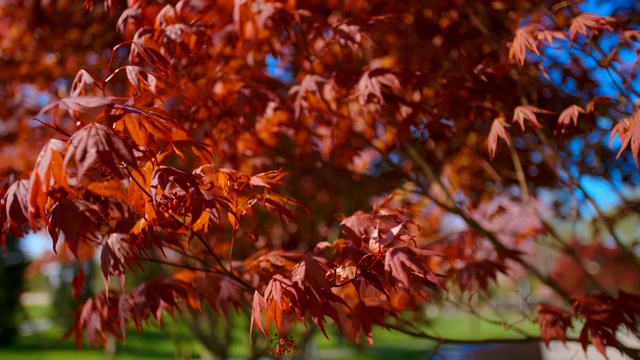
column 35, row 312
column 469, row 327
column 154, row 343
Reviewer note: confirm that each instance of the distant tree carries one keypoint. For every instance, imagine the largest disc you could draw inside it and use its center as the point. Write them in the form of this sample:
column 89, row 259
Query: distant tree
column 341, row 163
column 67, row 296
column 12, row 267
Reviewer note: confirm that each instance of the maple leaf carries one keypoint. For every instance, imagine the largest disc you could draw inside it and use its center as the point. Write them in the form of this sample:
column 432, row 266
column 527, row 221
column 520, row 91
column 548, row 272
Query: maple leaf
column 597, row 336
column 111, row 188
column 177, row 192
column 401, row 263
column 371, row 82
column 97, row 143
column 268, row 178
column 584, row 21
column 570, row 115
column 116, row 255
column 83, row 78
column 600, row 324
column 72, row 219
column 131, row 15
column 383, row 237
column 16, row 209
column 280, row 293
column 477, row 274
column 528, row 113
column 524, row 40
column 310, row 276
column 308, row 84
column 256, row 313
column 154, row 58
column 629, row 132
column 47, row 172
column 221, row 292
column 603, row 315
column 142, row 121
column 364, row 317
column 77, row 284
column 497, row 131
column 628, row 312
column 358, row 226
column 159, row 295
column 80, row 103
column 554, row 322
column 549, row 35
column 348, row 34
column 140, row 78
column 309, row 271
column 284, row 206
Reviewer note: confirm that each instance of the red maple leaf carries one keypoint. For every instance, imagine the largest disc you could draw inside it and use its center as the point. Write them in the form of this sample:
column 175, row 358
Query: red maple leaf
column 595, row 22
column 524, row 40
column 497, row 131
column 403, row 263
column 554, row 322
column 116, row 256
column 570, row 115
column 528, row 113
column 96, row 143
column 629, row 132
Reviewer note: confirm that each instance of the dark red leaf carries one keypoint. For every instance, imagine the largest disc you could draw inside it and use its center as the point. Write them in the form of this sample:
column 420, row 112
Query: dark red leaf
column 402, row 263
column 116, row 256
column 553, row 323
column 16, row 209
column 77, row 283
column 96, row 143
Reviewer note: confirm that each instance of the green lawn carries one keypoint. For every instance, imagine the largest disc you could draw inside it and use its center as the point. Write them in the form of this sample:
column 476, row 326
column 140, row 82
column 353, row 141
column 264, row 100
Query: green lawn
column 154, row 343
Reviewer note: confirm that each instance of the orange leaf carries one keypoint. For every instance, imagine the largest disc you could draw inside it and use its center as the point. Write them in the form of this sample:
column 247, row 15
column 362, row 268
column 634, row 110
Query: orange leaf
column 497, row 131
column 112, row 188
column 528, row 113
column 569, row 115
column 523, row 41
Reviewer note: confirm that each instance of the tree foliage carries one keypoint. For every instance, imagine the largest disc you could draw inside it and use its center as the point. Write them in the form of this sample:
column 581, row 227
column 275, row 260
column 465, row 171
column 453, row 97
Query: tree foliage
column 336, row 163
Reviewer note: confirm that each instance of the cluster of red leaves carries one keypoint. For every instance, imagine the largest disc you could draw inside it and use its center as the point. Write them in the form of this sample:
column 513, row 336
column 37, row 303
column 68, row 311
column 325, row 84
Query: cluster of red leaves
column 532, row 36
column 471, row 263
column 594, row 267
column 355, row 285
column 164, row 159
column 602, row 315
column 541, row 33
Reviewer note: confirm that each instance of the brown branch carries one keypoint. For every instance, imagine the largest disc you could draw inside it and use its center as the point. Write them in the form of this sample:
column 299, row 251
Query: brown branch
column 517, row 164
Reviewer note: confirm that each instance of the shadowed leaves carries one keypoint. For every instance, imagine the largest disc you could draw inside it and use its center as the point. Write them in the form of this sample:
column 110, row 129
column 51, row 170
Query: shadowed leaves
column 404, row 263
column 554, row 322
column 75, row 220
column 15, row 214
column 629, row 132
column 117, row 254
column 96, row 143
